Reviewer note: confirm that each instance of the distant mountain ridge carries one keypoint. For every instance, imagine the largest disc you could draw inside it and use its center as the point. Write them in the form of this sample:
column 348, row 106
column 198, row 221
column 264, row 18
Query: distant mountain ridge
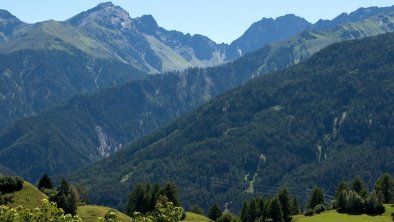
column 108, row 30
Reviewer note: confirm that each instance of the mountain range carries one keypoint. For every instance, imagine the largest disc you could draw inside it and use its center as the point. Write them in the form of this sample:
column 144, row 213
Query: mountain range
column 107, row 34
column 88, row 128
column 77, row 92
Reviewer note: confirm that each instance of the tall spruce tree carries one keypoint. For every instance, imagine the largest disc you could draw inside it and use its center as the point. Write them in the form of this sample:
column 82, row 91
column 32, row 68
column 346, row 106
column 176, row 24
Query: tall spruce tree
column 214, row 212
column 284, row 199
column 359, row 187
column 316, row 197
column 45, row 182
column 66, row 198
column 244, row 212
column 275, row 210
column 385, row 186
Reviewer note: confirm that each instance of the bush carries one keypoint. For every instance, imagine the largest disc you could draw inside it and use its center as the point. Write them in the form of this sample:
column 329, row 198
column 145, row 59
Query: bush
column 47, row 212
column 10, row 184
column 319, row 208
column 309, row 213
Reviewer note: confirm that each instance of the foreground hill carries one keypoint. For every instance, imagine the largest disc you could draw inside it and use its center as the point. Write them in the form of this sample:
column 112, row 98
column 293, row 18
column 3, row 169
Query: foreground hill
column 91, row 127
column 29, row 197
column 90, row 213
column 333, row 216
column 319, row 122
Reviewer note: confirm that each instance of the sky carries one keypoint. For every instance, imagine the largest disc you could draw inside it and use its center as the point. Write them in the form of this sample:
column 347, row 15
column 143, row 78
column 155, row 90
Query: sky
column 220, row 20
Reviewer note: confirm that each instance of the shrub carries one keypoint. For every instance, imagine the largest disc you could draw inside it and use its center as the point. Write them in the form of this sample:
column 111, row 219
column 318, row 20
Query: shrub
column 309, row 213
column 10, row 184
column 319, row 208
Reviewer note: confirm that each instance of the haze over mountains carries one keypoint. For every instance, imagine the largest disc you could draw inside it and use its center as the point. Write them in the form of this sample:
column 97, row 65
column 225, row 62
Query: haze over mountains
column 75, row 92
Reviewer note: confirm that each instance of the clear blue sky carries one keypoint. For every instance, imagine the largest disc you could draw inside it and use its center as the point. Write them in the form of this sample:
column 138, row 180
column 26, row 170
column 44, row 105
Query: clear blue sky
column 221, row 20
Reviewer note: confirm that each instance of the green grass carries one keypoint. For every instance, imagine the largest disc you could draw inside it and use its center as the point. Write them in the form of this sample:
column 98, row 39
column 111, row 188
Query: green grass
column 90, row 213
column 333, row 216
column 29, row 197
column 192, row 217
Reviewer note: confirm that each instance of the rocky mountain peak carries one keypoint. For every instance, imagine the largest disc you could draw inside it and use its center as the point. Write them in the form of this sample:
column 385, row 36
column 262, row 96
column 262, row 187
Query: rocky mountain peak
column 105, row 14
column 146, row 24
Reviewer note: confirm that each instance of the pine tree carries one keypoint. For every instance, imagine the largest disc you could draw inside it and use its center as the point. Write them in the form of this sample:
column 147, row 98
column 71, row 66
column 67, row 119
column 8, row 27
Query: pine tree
column 284, row 199
column 316, row 197
column 244, row 212
column 359, row 187
column 355, row 203
column 253, row 211
column 66, row 198
column 373, row 205
column 45, row 183
column 342, row 186
column 214, row 212
column 137, row 201
column 385, row 186
column 341, row 200
column 275, row 210
column 295, row 207
column 170, row 190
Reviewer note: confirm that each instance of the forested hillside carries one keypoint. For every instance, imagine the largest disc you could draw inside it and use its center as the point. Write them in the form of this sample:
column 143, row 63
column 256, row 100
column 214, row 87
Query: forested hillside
column 316, row 123
column 32, row 81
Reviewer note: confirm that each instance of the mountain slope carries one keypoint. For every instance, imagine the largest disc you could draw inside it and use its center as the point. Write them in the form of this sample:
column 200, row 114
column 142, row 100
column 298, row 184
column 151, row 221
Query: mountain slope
column 34, row 80
column 115, row 117
column 288, row 127
column 90, row 127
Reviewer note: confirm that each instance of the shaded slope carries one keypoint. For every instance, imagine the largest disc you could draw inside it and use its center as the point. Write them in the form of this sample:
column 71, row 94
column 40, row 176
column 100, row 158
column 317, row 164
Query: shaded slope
column 300, row 120
column 90, row 127
column 34, row 80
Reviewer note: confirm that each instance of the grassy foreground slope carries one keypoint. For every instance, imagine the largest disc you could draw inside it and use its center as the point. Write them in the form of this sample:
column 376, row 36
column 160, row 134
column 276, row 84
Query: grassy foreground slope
column 192, row 217
column 29, row 197
column 333, row 216
column 90, row 213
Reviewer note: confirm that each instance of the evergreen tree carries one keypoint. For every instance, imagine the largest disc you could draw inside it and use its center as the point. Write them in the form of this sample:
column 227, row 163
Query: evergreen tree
column 262, row 208
column 244, row 212
column 342, row 186
column 316, row 197
column 355, row 203
column 170, row 190
column 359, row 187
column 136, row 201
column 295, row 207
column 284, row 199
column 66, row 198
column 214, row 212
column 45, row 183
column 275, row 210
column 373, row 205
column 341, row 200
column 253, row 211
column 385, row 186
